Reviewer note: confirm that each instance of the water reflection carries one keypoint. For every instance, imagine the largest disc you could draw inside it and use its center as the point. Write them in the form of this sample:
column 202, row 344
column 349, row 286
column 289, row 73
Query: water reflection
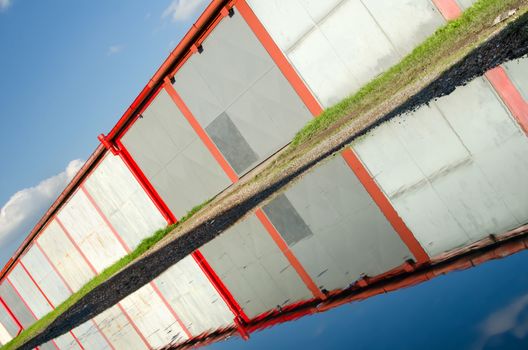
column 481, row 308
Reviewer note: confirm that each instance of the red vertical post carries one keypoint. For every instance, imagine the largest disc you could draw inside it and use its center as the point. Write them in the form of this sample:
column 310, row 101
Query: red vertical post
column 12, row 315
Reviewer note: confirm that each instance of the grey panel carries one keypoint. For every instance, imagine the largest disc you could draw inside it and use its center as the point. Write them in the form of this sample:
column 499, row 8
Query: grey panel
column 518, row 73
column 16, row 305
column 48, row 346
column 172, row 157
column 232, row 60
column 351, row 237
column 8, row 323
column 231, row 143
column 286, row 220
column 253, row 268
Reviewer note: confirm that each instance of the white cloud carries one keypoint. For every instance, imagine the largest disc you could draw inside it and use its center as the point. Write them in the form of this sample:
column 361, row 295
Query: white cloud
column 503, row 321
column 23, row 210
column 114, row 49
column 4, row 4
column 182, row 10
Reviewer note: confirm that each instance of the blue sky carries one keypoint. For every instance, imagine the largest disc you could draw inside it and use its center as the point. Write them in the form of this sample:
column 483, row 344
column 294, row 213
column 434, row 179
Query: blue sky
column 482, row 308
column 68, row 71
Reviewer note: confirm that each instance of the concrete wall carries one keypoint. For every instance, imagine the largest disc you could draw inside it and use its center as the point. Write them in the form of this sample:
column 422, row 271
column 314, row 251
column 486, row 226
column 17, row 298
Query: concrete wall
column 334, row 227
column 191, row 295
column 454, row 170
column 122, row 200
column 377, row 33
column 254, row 269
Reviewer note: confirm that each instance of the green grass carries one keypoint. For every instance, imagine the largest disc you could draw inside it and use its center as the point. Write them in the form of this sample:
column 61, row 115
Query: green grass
column 438, row 52
column 144, row 246
column 431, row 55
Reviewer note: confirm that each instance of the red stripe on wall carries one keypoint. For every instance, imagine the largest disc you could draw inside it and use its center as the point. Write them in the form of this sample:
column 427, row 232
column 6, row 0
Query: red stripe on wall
column 294, row 262
column 215, row 152
column 36, row 284
column 385, row 206
column 169, row 307
column 67, row 233
column 20, row 296
column 53, row 266
column 509, row 94
column 105, row 219
column 102, row 334
column 278, row 57
column 145, row 183
column 12, row 315
column 219, row 285
column 448, row 8
column 498, row 78
column 143, row 339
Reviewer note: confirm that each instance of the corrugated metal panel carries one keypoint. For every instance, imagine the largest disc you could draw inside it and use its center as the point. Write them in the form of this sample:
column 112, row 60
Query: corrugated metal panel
column 93, row 236
column 474, row 184
column 254, row 269
column 193, row 297
column 64, row 256
column 123, row 201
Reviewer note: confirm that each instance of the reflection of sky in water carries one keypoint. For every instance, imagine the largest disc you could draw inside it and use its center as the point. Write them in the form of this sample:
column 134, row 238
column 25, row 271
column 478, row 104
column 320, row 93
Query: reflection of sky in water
column 482, row 308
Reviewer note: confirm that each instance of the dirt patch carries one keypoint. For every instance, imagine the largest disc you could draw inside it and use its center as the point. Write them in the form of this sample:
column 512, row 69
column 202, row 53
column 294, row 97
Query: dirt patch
column 510, row 43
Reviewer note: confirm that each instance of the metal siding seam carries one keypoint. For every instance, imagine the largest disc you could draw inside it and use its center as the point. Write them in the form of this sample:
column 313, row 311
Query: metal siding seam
column 219, row 285
column 71, row 292
column 385, row 206
column 12, row 315
column 46, row 297
column 53, row 266
column 215, row 152
column 127, row 249
column 26, row 304
column 314, row 107
column 497, row 77
column 144, row 182
column 105, row 219
column 509, row 95
column 278, row 57
column 292, row 259
column 171, row 309
column 67, row 233
column 143, row 338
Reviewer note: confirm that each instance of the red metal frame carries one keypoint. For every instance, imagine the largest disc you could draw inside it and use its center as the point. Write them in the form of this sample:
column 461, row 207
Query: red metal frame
column 278, row 57
column 47, row 299
column 385, row 206
column 206, row 140
column 315, row 108
column 219, row 285
column 127, row 249
column 292, row 259
column 131, row 322
column 12, row 315
column 509, row 94
column 448, row 8
column 497, row 76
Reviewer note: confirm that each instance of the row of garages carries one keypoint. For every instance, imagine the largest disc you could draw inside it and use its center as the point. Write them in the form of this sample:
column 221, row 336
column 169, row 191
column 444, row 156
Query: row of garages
column 422, row 184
